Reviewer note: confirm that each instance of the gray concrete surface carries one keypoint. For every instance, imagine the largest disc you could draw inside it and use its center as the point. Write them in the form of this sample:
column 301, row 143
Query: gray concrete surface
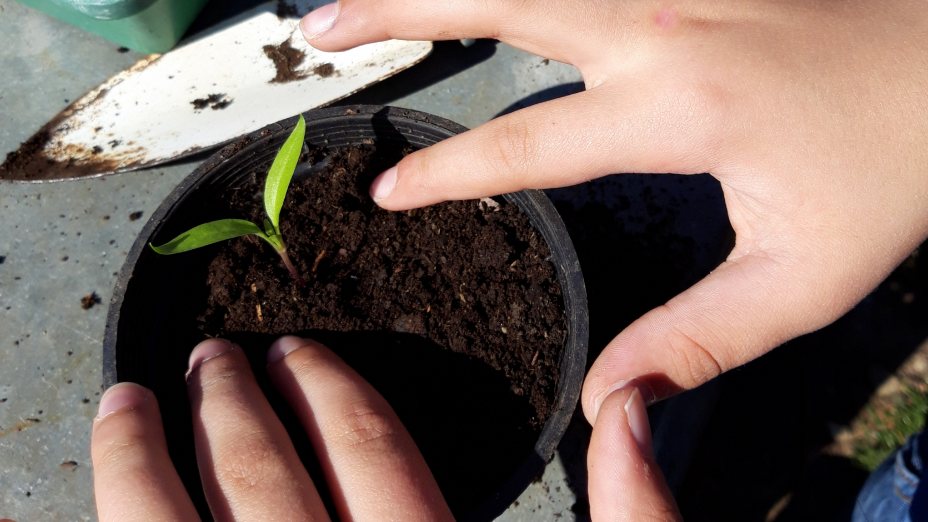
column 62, row 241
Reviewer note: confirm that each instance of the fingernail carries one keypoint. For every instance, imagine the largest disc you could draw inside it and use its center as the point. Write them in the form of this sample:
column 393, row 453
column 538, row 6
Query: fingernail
column 284, row 346
column 637, row 414
column 319, row 21
column 383, row 186
column 125, row 395
column 598, row 401
column 206, row 350
column 648, row 395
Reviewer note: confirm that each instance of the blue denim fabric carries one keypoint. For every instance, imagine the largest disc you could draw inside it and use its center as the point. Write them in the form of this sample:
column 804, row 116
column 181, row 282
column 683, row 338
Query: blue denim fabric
column 894, row 492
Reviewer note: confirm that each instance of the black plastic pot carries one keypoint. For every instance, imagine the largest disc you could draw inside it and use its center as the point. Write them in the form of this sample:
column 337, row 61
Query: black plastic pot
column 151, row 322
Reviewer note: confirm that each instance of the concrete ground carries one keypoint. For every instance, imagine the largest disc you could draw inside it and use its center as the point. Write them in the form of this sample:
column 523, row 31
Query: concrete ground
column 61, row 242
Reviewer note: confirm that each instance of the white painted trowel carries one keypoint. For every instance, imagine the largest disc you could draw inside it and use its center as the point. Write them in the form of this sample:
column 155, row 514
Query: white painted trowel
column 253, row 70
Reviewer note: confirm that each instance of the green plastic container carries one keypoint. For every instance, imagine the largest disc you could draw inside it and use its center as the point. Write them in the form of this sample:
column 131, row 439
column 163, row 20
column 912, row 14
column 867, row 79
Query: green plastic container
column 147, row 26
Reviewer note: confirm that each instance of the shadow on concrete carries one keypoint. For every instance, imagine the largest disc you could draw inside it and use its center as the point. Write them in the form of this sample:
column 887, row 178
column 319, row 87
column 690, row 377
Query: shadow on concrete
column 446, row 60
column 215, row 13
column 558, row 91
column 642, row 239
column 763, row 445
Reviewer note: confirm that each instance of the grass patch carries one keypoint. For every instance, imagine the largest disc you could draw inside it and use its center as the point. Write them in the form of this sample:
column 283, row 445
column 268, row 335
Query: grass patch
column 888, row 424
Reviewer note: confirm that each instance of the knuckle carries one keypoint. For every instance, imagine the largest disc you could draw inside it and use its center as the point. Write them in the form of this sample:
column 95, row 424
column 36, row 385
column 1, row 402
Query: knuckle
column 514, row 144
column 416, row 170
column 364, row 425
column 709, row 102
column 700, row 105
column 303, row 369
column 693, row 360
column 309, row 365
column 120, row 452
column 246, row 462
column 214, row 381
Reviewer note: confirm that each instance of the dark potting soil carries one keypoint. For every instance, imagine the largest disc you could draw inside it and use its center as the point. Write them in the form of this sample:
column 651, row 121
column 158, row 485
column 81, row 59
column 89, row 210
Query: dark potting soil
column 287, row 59
column 34, row 160
column 453, row 312
column 213, row 101
column 31, row 161
column 324, row 70
column 89, row 300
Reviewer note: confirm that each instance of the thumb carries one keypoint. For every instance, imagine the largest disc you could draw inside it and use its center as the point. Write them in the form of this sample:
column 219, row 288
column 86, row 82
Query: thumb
column 750, row 304
column 625, row 482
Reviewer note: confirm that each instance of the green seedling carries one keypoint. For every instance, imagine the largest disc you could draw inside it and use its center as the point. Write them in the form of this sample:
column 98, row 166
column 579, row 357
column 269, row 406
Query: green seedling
column 275, row 191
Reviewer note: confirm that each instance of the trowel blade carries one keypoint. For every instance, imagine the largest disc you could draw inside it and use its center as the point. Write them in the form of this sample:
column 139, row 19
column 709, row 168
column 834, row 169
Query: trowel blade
column 253, row 70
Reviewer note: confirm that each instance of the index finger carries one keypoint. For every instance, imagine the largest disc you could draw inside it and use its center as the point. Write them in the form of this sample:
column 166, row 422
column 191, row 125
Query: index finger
column 555, row 144
column 539, row 26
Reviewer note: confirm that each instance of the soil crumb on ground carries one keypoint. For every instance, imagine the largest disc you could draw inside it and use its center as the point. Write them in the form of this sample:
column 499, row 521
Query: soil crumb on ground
column 135, row 216
column 89, row 300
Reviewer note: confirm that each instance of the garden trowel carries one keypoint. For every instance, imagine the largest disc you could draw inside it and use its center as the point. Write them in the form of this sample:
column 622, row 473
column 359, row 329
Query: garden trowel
column 252, row 70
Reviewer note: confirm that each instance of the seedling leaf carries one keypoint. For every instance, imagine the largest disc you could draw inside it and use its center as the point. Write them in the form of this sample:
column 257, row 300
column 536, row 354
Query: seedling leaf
column 207, row 234
column 281, row 172
column 275, row 190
